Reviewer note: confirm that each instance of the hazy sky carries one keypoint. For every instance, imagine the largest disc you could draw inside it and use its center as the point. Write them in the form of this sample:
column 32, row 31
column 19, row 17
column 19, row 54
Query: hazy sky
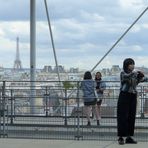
column 83, row 31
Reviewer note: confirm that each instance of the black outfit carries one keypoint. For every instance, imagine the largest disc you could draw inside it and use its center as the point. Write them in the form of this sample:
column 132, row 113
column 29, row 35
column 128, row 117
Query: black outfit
column 127, row 102
column 126, row 113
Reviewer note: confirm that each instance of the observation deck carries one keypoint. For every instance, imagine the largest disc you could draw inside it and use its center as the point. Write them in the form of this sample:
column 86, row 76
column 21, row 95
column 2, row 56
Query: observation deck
column 58, row 112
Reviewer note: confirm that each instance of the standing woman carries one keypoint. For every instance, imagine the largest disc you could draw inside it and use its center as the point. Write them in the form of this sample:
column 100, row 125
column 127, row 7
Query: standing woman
column 100, row 87
column 126, row 106
column 88, row 88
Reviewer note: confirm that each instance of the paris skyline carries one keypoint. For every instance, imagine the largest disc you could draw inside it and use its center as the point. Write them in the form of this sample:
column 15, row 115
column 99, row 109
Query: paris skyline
column 83, row 32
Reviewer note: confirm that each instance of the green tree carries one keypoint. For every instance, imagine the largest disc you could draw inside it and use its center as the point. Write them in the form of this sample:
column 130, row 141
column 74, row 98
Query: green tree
column 67, row 85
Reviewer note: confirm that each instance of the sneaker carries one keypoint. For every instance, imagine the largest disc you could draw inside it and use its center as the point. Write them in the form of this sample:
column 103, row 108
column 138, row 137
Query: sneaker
column 98, row 122
column 130, row 140
column 88, row 123
column 121, row 141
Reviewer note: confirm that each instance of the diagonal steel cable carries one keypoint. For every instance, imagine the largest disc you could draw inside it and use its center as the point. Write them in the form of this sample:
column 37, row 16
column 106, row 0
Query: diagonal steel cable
column 52, row 40
column 119, row 39
column 53, row 47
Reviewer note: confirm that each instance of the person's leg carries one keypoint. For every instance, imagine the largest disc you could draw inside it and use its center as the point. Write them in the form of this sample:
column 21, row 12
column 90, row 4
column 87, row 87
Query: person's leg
column 99, row 108
column 132, row 114
column 96, row 113
column 131, row 119
column 87, row 112
column 122, row 114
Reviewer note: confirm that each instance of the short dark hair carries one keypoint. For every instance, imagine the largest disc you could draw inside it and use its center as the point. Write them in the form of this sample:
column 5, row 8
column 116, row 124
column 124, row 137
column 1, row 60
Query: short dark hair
column 127, row 62
column 87, row 75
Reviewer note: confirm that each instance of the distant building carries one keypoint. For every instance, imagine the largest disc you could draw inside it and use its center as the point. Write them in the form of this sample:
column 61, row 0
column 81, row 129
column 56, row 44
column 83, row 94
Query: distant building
column 1, row 72
column 61, row 69
column 47, row 68
column 115, row 69
column 74, row 70
column 105, row 71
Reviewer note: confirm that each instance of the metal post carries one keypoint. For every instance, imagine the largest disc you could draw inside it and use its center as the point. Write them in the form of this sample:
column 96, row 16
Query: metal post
column 46, row 99
column 12, row 107
column 65, row 123
column 78, row 136
column 142, row 102
column 3, row 108
column 32, row 52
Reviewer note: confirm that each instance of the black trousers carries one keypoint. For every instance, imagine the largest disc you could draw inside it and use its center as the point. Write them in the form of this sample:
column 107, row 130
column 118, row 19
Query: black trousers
column 126, row 113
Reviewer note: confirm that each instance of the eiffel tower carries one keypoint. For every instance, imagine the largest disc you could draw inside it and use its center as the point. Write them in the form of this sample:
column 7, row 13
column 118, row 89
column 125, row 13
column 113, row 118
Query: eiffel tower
column 17, row 62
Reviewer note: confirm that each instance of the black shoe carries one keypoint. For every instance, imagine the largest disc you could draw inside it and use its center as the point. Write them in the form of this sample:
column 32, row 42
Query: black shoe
column 88, row 123
column 121, row 141
column 130, row 140
column 98, row 122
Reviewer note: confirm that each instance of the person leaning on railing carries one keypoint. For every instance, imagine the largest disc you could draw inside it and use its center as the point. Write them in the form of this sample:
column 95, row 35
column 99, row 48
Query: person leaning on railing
column 127, row 101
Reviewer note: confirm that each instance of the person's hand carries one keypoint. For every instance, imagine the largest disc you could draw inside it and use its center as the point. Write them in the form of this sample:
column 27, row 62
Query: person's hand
column 140, row 75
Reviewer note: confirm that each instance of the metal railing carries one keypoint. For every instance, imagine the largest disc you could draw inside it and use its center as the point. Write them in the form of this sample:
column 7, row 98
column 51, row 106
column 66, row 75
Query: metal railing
column 61, row 115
